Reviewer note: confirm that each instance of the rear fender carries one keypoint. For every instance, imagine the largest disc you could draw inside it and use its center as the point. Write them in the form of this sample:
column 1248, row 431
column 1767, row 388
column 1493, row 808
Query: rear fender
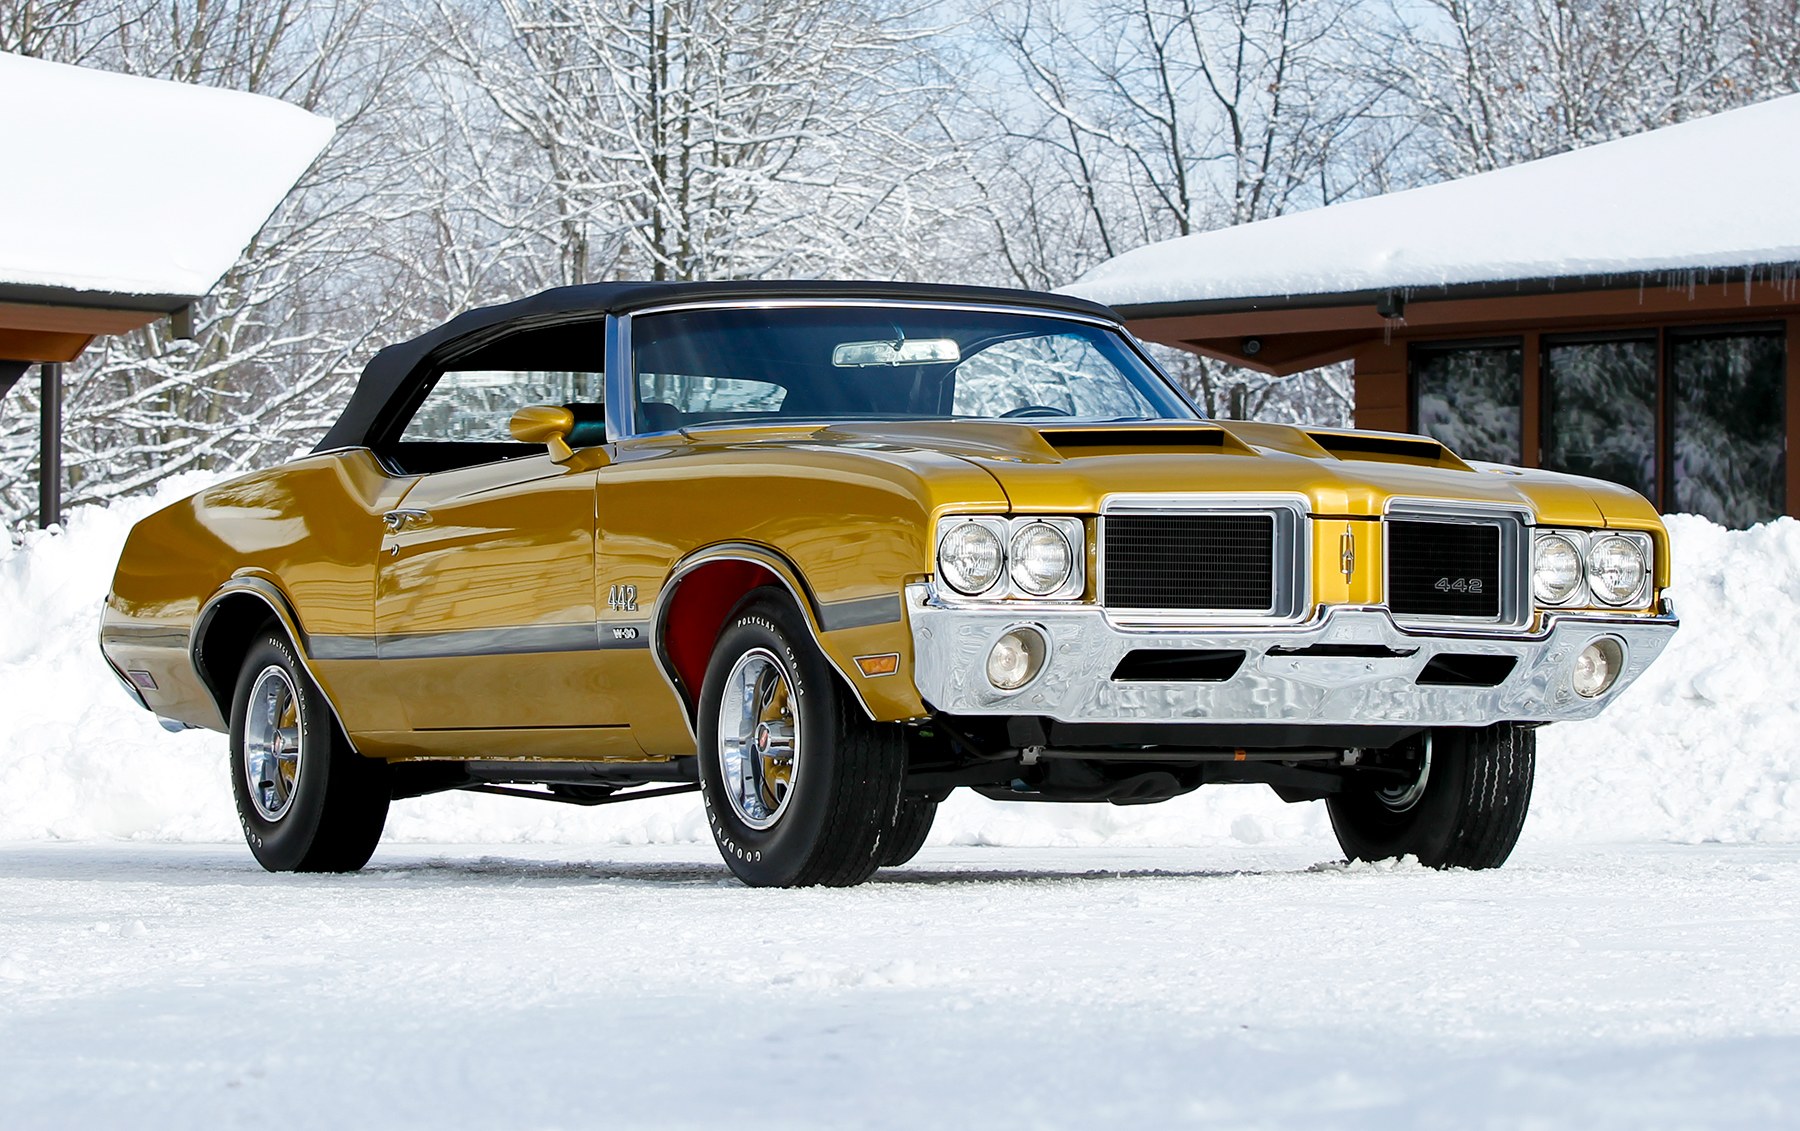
column 227, row 627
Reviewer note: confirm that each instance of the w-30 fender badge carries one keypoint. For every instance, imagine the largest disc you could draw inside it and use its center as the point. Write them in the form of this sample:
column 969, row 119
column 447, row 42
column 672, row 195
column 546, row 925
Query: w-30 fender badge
column 622, row 599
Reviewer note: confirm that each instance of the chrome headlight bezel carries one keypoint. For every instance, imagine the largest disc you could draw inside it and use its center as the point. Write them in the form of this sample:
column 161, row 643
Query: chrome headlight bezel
column 1047, row 535
column 954, row 576
column 1577, row 551
column 1587, row 595
column 1007, row 587
column 1629, row 597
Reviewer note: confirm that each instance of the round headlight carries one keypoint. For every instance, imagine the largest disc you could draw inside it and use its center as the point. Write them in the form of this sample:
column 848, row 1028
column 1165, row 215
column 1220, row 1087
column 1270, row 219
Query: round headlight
column 1616, row 568
column 970, row 558
column 1041, row 559
column 1556, row 569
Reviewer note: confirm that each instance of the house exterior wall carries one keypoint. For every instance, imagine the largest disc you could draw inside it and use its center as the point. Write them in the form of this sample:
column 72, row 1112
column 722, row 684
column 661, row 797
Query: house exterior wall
column 1386, row 398
column 1287, row 334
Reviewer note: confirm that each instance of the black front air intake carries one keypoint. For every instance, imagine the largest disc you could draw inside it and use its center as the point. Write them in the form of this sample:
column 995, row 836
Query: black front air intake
column 1444, row 569
column 1190, row 562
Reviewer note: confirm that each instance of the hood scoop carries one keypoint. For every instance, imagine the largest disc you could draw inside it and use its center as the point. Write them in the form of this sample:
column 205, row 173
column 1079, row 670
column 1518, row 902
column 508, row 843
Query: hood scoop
column 1382, row 447
column 1101, row 440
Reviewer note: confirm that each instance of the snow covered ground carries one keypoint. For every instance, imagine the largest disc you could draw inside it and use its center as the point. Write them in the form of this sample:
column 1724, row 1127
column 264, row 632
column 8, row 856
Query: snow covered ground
column 1206, row 962
column 1583, row 986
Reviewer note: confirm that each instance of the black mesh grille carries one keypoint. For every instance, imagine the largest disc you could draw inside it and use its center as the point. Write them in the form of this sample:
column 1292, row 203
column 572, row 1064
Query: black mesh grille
column 1199, row 561
column 1443, row 569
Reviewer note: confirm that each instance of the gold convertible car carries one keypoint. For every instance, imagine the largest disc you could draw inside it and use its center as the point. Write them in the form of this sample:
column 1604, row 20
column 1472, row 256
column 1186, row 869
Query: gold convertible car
column 826, row 552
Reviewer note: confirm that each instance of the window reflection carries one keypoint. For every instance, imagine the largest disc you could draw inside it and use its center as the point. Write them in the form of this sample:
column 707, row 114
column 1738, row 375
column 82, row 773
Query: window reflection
column 1600, row 409
column 1469, row 398
column 1729, row 419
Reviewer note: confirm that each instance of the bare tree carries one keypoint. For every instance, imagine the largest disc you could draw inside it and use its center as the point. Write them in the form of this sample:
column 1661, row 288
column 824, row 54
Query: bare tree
column 1496, row 82
column 682, row 139
column 1130, row 121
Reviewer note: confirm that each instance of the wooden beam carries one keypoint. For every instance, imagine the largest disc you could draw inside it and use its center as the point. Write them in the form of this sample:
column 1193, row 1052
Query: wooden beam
column 1476, row 317
column 41, row 345
column 74, row 319
column 1281, row 356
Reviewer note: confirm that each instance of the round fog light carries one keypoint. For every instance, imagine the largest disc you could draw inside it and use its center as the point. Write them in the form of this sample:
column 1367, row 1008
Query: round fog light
column 1016, row 658
column 1598, row 667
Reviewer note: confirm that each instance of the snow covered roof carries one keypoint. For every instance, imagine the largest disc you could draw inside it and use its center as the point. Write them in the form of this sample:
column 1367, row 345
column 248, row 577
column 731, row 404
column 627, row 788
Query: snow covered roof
column 1715, row 192
column 120, row 185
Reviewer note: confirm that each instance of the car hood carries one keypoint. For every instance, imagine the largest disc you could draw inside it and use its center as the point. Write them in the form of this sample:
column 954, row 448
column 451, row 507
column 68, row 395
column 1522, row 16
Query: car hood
column 1072, row 468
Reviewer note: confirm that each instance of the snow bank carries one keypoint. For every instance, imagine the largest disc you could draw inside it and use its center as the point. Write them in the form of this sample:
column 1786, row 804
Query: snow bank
column 1704, row 747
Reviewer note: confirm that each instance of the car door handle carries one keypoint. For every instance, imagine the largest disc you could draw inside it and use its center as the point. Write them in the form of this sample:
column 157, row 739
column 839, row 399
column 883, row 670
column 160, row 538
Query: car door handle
column 406, row 520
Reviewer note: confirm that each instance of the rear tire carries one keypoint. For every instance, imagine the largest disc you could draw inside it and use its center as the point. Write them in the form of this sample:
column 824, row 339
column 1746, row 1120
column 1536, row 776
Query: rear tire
column 799, row 785
column 1465, row 809
column 307, row 801
column 912, row 824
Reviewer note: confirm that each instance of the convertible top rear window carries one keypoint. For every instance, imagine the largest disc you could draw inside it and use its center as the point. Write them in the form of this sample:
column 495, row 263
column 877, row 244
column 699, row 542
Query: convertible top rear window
column 728, row 364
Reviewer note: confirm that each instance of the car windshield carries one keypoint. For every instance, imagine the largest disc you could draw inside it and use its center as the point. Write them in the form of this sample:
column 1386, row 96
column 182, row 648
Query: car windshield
column 714, row 365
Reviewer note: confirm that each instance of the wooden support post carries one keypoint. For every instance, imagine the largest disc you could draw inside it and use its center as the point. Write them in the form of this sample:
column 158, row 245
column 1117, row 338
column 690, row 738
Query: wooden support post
column 1383, row 400
column 50, row 445
column 1531, row 400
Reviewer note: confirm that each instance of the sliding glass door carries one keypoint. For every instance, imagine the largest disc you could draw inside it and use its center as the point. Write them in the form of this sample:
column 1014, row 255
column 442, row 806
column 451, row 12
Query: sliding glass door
column 1468, row 398
column 1728, row 424
column 1693, row 419
column 1599, row 403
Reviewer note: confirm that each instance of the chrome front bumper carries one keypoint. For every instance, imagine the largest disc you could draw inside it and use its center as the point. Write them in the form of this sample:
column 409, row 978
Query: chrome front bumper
column 951, row 644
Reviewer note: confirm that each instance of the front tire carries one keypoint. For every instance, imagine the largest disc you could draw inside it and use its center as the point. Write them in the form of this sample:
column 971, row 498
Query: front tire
column 307, row 801
column 1463, row 809
column 912, row 824
column 799, row 785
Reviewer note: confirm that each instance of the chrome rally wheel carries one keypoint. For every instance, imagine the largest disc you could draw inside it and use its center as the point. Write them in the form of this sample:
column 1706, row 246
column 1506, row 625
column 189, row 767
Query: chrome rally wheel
column 307, row 801
column 274, row 743
column 799, row 784
column 759, row 738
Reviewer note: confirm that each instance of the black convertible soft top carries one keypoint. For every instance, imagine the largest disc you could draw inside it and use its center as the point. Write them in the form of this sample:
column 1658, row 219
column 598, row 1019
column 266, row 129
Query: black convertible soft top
column 398, row 367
